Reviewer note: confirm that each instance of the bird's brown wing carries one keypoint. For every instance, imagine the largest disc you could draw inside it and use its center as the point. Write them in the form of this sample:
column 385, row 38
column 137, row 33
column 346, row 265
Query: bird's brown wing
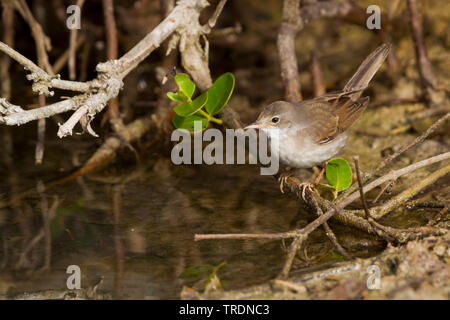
column 331, row 114
column 321, row 125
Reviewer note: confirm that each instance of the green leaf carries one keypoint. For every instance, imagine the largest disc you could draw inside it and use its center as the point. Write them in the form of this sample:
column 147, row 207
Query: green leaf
column 176, row 96
column 185, row 84
column 219, row 93
column 188, row 109
column 188, row 122
column 339, row 174
column 203, row 271
column 213, row 276
column 197, row 272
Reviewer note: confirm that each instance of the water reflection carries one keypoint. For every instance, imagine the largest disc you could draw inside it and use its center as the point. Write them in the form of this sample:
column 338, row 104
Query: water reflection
column 135, row 230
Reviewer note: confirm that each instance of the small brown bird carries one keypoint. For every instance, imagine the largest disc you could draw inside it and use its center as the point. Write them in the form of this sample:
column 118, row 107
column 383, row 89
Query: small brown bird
column 313, row 131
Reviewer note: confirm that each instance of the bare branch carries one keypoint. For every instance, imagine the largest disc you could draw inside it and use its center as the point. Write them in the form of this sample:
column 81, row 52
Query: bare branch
column 423, row 64
column 42, row 41
column 112, row 49
column 73, row 47
column 24, row 116
column 213, row 20
column 416, row 141
column 286, row 49
column 316, row 75
column 331, row 212
column 404, row 148
column 42, row 80
column 108, row 83
column 407, row 194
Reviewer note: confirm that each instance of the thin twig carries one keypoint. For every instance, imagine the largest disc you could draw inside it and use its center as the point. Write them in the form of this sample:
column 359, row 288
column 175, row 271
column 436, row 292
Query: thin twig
column 386, row 235
column 423, row 64
column 64, row 58
column 42, row 46
column 388, row 186
column 316, row 75
column 42, row 41
column 73, row 47
column 407, row 194
column 286, row 49
column 330, row 234
column 361, row 191
column 40, row 143
column 8, row 38
column 294, row 19
column 399, row 235
column 213, row 20
column 42, row 80
column 391, row 158
column 111, row 73
column 295, row 245
column 111, row 49
column 416, row 141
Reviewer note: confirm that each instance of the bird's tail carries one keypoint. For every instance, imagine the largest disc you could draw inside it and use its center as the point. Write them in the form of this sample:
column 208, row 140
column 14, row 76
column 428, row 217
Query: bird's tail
column 366, row 71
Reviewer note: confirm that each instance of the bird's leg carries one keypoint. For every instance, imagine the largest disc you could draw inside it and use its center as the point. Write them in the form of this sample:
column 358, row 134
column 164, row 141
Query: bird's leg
column 283, row 177
column 289, row 173
column 310, row 186
column 304, row 186
column 320, row 175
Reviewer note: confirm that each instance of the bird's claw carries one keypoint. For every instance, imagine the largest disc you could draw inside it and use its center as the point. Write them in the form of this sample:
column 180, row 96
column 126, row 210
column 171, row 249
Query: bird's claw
column 305, row 186
column 282, row 180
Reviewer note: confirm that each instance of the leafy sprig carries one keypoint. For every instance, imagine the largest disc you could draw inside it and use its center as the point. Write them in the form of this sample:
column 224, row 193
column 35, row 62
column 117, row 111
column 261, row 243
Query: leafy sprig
column 205, row 106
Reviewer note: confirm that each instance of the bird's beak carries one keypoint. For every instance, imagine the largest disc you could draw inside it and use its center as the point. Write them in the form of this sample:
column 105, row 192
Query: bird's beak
column 252, row 126
column 256, row 125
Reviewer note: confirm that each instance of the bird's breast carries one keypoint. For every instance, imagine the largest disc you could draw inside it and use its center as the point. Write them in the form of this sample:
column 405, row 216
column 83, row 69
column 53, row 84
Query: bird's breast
column 301, row 152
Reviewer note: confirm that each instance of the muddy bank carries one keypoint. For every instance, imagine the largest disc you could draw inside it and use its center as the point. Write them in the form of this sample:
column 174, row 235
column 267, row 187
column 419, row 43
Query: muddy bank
column 418, row 270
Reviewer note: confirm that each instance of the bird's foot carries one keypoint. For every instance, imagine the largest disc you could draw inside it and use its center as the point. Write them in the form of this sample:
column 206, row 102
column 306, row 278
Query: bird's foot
column 282, row 179
column 306, row 186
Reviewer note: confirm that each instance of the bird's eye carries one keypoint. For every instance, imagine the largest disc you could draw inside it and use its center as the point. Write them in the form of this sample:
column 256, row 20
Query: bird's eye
column 275, row 119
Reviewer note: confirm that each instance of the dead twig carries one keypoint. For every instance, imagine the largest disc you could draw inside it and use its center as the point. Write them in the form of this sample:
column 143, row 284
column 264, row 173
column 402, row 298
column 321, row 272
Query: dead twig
column 64, row 58
column 416, row 141
column 385, row 234
column 394, row 234
column 294, row 19
column 286, row 49
column 387, row 187
column 194, row 57
column 73, row 47
column 409, row 192
column 111, row 73
column 111, row 50
column 316, row 75
column 330, row 234
column 423, row 64
column 391, row 158
column 8, row 38
column 42, row 46
column 301, row 234
column 295, row 245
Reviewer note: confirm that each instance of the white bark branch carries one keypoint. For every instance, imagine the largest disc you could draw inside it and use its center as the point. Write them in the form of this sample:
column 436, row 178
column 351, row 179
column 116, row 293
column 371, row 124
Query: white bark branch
column 111, row 73
column 42, row 80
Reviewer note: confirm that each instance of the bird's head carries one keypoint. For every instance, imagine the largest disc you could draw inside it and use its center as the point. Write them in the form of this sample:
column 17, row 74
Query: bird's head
column 275, row 115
